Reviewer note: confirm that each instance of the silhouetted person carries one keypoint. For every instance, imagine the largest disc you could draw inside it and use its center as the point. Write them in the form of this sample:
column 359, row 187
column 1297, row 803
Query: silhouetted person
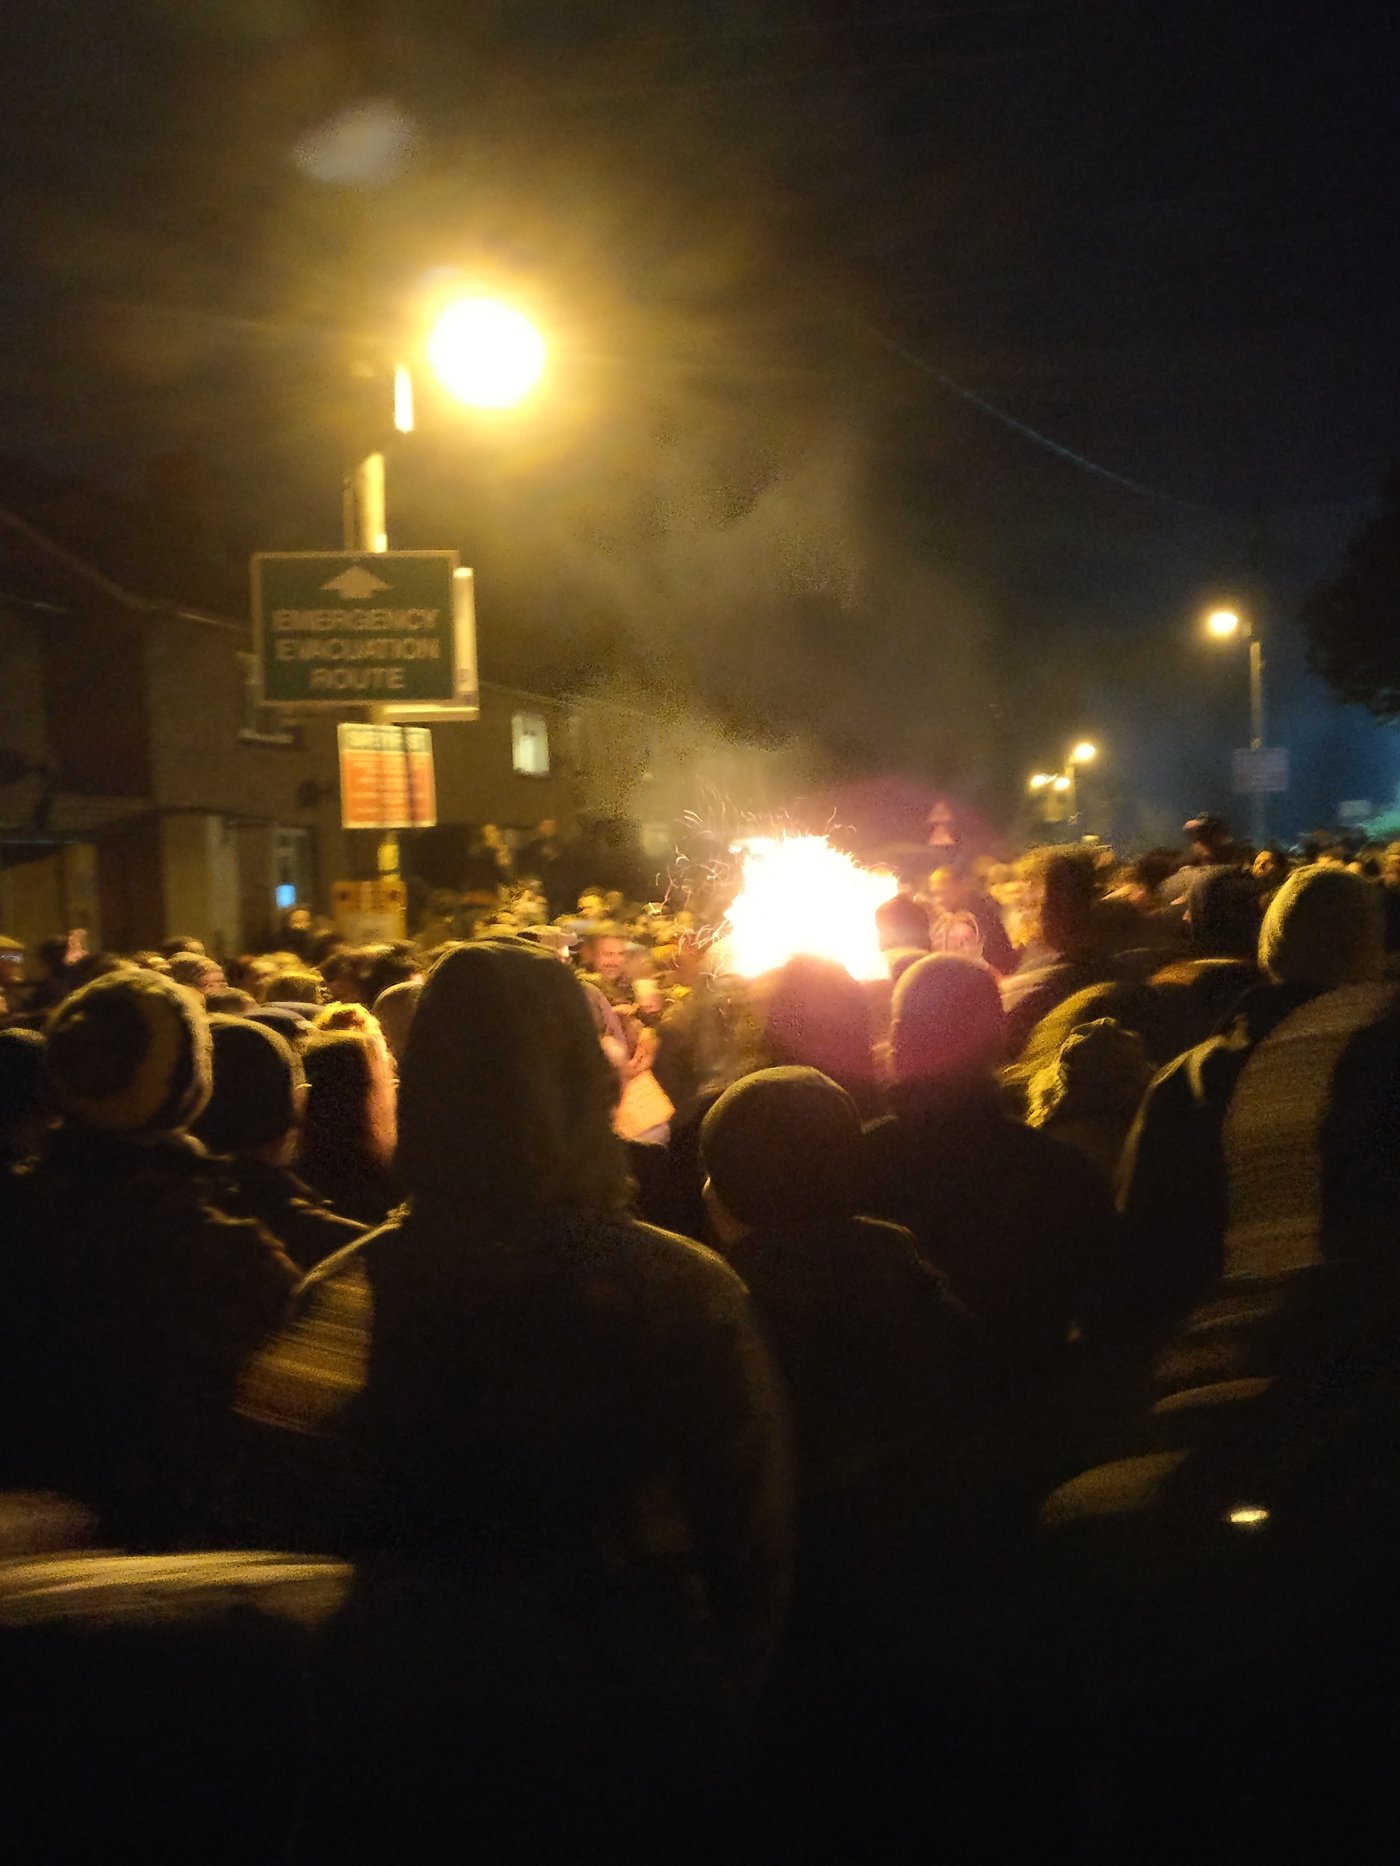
column 1021, row 1226
column 133, row 1293
column 253, row 1118
column 551, row 1437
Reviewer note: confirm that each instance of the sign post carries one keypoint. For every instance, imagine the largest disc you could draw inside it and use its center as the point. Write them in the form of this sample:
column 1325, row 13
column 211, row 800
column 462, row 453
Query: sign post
column 388, row 629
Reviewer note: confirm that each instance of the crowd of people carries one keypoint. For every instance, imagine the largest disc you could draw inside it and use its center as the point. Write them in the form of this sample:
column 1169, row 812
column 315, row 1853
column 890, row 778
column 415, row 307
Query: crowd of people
column 754, row 1409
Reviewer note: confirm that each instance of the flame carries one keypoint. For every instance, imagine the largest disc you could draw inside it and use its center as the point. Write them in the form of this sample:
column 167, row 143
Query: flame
column 800, row 895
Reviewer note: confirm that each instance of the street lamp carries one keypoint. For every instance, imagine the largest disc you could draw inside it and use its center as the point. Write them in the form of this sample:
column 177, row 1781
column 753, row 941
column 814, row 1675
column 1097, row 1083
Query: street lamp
column 1065, row 783
column 486, row 354
column 1230, row 625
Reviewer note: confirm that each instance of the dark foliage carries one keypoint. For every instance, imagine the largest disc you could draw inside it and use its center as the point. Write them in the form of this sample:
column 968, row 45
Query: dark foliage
column 1353, row 622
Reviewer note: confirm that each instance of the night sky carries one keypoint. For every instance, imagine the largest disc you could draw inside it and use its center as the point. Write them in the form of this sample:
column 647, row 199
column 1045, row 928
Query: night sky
column 812, row 271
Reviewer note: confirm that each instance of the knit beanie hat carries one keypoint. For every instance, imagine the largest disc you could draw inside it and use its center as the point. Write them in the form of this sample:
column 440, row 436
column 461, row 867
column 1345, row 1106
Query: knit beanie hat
column 259, row 1085
column 130, row 1053
column 781, row 1147
column 947, row 1019
column 1324, row 928
column 1101, row 1069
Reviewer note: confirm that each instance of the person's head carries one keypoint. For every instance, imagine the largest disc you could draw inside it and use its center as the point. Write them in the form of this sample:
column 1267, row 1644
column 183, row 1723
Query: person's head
column 198, row 971
column 902, row 923
column 51, row 957
column 230, row 1002
column 394, row 1012
column 344, row 974
column 947, row 1023
column 1100, row 1072
column 593, row 904
column 1222, row 914
column 1270, row 867
column 1325, row 927
column 1149, row 871
column 818, row 1016
column 350, row 1104
column 25, row 1107
column 1208, row 838
column 780, row 1148
column 181, row 942
column 129, row 1054
column 506, row 1098
column 296, row 986
column 605, row 952
column 1061, row 889
column 259, row 1091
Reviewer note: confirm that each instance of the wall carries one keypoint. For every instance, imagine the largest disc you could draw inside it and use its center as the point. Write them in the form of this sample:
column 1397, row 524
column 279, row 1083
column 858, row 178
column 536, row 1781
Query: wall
column 129, row 882
column 199, row 869
column 476, row 779
column 21, row 686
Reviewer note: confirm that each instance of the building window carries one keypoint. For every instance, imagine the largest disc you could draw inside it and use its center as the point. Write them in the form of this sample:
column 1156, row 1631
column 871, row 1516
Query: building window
column 529, row 740
column 262, row 725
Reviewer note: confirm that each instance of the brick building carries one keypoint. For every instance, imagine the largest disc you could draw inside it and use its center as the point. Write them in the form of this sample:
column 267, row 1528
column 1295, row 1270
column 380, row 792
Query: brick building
column 143, row 791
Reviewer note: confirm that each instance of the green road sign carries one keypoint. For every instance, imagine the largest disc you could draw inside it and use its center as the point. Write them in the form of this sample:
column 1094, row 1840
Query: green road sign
column 388, row 628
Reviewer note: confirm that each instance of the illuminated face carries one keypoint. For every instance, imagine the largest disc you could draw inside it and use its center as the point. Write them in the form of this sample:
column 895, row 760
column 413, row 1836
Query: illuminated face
column 609, row 957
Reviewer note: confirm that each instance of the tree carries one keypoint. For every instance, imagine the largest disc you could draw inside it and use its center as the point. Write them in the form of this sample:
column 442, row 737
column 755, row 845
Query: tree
column 1353, row 622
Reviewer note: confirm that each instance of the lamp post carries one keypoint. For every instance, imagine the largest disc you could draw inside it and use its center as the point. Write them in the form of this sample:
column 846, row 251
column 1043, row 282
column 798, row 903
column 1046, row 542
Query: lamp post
column 1229, row 625
column 487, row 355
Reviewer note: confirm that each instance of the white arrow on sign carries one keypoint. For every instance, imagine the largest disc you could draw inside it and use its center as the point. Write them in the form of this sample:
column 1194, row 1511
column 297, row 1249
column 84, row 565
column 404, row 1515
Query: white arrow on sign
column 355, row 583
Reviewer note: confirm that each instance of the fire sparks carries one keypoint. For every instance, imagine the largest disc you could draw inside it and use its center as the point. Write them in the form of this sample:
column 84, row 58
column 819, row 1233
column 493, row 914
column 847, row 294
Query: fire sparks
column 800, row 895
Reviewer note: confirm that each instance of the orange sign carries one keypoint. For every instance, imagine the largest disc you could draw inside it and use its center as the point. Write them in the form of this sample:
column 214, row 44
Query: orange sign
column 386, row 777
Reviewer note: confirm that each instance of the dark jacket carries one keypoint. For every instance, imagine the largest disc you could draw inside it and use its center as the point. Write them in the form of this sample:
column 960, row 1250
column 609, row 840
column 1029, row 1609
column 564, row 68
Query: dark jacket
column 873, row 1347
column 1021, row 1227
column 1172, row 1190
column 583, row 1407
column 132, row 1298
column 305, row 1226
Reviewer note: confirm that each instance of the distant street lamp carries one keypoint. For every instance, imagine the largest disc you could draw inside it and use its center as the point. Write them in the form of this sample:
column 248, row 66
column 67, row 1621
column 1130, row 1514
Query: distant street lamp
column 1065, row 783
column 1229, row 625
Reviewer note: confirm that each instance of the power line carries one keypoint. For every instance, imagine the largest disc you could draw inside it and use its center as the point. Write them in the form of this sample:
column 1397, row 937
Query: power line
column 1022, row 428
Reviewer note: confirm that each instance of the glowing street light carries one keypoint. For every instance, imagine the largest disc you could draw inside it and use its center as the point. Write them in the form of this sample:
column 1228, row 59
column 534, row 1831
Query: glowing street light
column 1066, row 781
column 1230, row 625
column 486, row 353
